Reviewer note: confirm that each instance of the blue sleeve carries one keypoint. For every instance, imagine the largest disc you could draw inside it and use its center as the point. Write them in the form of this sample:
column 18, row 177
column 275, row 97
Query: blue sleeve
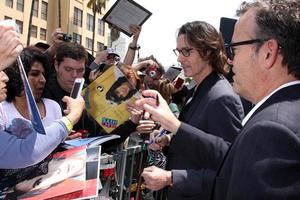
column 22, row 146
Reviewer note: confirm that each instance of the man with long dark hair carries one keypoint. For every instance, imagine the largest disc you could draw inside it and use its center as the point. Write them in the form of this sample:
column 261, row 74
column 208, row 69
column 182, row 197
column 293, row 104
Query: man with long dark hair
column 212, row 106
column 263, row 162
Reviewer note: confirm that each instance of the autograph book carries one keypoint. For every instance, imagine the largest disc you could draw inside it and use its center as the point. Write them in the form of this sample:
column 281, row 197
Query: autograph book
column 125, row 13
column 69, row 174
column 106, row 98
column 92, row 183
column 61, row 173
column 92, row 141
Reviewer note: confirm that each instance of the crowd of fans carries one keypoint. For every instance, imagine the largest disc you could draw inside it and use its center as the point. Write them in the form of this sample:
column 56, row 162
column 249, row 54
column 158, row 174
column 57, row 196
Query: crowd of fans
column 202, row 143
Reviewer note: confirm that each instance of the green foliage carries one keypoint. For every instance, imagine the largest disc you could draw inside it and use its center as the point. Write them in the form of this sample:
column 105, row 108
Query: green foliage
column 97, row 5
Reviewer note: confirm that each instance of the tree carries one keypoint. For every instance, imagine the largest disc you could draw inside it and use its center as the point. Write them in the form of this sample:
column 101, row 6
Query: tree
column 29, row 24
column 114, row 33
column 96, row 6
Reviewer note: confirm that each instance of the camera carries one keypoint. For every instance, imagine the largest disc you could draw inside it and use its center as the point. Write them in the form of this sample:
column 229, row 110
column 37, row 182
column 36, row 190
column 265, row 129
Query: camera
column 66, row 37
column 178, row 83
column 152, row 74
column 152, row 71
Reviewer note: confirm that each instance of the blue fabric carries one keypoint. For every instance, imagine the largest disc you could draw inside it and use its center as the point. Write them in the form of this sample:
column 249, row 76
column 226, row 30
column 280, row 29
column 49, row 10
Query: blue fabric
column 22, row 146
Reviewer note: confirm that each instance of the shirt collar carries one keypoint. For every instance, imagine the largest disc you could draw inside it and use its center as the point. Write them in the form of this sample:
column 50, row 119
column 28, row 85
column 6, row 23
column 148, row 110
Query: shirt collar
column 245, row 120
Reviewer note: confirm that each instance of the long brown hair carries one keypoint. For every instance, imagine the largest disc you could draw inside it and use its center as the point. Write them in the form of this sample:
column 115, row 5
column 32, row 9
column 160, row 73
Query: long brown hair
column 166, row 89
column 208, row 42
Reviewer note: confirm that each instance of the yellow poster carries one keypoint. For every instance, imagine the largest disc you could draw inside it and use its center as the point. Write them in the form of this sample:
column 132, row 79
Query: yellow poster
column 107, row 96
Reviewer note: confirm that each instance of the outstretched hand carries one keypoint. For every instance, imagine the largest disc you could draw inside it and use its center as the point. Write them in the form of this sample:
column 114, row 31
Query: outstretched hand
column 156, row 178
column 145, row 126
column 157, row 141
column 136, row 113
column 74, row 108
column 10, row 43
column 136, row 30
column 159, row 110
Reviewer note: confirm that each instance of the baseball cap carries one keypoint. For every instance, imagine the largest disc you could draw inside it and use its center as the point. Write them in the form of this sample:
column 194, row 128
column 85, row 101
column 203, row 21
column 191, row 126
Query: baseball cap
column 112, row 51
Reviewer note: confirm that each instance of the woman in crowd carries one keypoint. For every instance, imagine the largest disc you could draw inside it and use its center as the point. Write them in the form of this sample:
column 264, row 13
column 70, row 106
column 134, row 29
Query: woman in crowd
column 18, row 152
column 35, row 65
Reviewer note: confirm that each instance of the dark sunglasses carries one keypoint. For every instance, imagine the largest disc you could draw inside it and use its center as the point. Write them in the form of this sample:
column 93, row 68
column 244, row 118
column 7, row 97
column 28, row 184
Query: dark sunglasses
column 229, row 47
column 186, row 52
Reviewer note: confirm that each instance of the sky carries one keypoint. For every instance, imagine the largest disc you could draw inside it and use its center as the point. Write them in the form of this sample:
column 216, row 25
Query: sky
column 158, row 35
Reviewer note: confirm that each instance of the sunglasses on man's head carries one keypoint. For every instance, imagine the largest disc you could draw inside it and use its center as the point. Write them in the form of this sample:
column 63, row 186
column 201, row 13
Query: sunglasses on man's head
column 229, row 47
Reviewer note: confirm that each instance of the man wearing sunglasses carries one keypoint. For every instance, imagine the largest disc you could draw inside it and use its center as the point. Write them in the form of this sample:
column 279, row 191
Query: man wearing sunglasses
column 264, row 161
column 212, row 106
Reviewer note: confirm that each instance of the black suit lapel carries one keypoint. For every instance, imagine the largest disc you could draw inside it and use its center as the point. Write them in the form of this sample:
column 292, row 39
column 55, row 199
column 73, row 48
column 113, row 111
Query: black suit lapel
column 185, row 107
column 289, row 93
column 197, row 96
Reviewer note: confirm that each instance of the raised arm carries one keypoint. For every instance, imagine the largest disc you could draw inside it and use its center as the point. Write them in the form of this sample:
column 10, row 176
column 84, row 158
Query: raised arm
column 133, row 46
column 10, row 44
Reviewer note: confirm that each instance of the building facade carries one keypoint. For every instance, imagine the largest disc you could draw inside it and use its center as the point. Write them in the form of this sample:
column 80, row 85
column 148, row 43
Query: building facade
column 72, row 16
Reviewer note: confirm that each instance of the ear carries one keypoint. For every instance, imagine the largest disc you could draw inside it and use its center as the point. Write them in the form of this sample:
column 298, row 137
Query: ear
column 271, row 53
column 207, row 55
column 22, row 93
column 56, row 66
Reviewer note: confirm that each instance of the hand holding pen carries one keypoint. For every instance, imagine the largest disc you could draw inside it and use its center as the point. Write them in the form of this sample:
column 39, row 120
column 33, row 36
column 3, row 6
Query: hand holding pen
column 158, row 140
column 10, row 43
column 147, row 115
column 155, row 138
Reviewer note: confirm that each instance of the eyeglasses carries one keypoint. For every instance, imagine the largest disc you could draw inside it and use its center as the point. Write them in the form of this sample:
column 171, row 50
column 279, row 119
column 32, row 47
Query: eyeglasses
column 186, row 52
column 230, row 50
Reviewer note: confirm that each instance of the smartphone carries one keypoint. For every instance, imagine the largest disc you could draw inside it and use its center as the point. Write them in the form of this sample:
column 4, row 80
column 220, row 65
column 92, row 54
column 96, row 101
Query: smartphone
column 178, row 82
column 77, row 87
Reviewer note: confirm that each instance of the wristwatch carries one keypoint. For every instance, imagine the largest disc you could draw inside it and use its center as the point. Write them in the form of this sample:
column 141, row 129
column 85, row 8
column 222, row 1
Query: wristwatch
column 135, row 47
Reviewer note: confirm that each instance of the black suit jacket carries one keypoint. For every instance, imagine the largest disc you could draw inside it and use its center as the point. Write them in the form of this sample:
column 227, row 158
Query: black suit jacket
column 216, row 109
column 264, row 161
